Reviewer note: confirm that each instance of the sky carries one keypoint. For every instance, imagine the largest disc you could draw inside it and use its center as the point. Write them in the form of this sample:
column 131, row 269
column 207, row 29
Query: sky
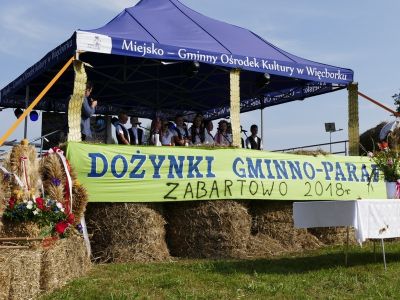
column 360, row 34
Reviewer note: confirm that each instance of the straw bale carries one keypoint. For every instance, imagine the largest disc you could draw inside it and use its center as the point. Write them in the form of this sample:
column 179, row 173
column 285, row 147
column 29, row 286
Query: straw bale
column 310, row 152
column 20, row 275
column 211, row 229
column 5, row 276
column 262, row 245
column 123, row 232
column 20, row 229
column 333, row 235
column 274, row 218
column 64, row 260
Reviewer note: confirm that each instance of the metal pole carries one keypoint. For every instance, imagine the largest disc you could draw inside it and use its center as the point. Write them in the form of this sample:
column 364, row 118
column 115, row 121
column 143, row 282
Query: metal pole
column 330, row 141
column 347, row 245
column 26, row 118
column 262, row 126
column 383, row 253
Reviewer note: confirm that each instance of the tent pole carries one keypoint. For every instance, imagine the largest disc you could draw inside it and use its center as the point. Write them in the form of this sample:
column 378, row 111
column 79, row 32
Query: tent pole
column 235, row 106
column 75, row 103
column 26, row 118
column 262, row 126
column 35, row 102
column 353, row 125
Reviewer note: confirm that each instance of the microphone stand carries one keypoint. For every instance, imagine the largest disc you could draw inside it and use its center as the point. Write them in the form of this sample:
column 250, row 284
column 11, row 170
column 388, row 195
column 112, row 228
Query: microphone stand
column 244, row 142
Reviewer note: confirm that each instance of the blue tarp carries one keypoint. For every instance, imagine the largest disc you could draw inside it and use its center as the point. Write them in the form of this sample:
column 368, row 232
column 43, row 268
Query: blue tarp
column 159, row 38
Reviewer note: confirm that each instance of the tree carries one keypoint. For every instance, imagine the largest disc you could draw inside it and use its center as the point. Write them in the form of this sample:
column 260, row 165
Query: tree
column 396, row 98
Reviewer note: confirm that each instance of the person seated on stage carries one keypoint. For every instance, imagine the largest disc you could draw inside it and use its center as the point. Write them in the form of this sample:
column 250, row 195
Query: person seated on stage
column 253, row 141
column 197, row 131
column 181, row 134
column 155, row 131
column 208, row 136
column 136, row 134
column 167, row 136
column 121, row 132
column 223, row 138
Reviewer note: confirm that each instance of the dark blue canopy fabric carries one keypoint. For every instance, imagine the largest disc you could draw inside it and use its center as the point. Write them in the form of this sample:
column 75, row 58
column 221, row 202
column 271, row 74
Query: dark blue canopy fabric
column 142, row 62
column 166, row 29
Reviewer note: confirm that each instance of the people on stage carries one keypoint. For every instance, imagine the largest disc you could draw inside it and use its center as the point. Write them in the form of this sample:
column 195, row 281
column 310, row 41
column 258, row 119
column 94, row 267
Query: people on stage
column 182, row 137
column 197, row 131
column 136, row 134
column 121, row 132
column 253, row 141
column 223, row 137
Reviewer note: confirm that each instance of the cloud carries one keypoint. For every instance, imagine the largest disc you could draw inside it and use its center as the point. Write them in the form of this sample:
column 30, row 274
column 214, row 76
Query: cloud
column 22, row 29
column 107, row 5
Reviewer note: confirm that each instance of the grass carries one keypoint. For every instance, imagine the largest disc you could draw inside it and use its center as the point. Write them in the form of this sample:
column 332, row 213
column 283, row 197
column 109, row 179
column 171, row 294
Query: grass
column 318, row 274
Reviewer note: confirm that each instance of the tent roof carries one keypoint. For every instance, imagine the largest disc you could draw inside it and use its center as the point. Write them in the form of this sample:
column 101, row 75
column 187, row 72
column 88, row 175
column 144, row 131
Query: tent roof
column 153, row 45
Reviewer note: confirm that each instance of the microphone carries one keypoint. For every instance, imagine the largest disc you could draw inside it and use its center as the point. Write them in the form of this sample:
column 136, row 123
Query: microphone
column 140, row 126
column 243, row 130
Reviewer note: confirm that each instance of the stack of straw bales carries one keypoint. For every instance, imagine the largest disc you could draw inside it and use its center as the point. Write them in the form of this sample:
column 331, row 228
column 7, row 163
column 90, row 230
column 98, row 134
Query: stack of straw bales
column 123, row 232
column 213, row 229
column 26, row 273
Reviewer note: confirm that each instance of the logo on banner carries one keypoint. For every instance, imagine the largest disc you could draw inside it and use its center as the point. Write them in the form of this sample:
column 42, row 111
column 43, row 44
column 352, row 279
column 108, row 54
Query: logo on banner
column 93, row 42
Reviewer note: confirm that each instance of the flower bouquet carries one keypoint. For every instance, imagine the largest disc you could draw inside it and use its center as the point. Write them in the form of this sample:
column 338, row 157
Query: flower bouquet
column 387, row 162
column 50, row 215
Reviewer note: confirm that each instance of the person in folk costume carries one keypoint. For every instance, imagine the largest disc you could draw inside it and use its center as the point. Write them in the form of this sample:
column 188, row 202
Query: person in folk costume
column 253, row 141
column 208, row 136
column 136, row 134
column 155, row 131
column 121, row 132
column 223, row 137
column 197, row 131
column 167, row 135
column 182, row 136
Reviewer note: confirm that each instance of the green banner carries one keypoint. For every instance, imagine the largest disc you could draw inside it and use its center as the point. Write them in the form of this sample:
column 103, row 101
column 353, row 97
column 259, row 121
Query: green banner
column 118, row 173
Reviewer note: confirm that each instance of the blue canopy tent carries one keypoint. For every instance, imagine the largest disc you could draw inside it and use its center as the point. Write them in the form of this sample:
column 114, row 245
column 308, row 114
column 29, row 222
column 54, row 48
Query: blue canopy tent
column 143, row 61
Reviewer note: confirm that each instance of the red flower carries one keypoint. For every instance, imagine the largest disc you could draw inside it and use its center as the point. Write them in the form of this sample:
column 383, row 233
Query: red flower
column 61, row 226
column 383, row 145
column 40, row 203
column 70, row 219
column 11, row 203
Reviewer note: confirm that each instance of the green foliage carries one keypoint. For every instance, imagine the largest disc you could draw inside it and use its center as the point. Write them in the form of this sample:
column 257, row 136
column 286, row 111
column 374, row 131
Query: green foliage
column 396, row 98
column 48, row 214
column 319, row 274
column 387, row 161
column 24, row 212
